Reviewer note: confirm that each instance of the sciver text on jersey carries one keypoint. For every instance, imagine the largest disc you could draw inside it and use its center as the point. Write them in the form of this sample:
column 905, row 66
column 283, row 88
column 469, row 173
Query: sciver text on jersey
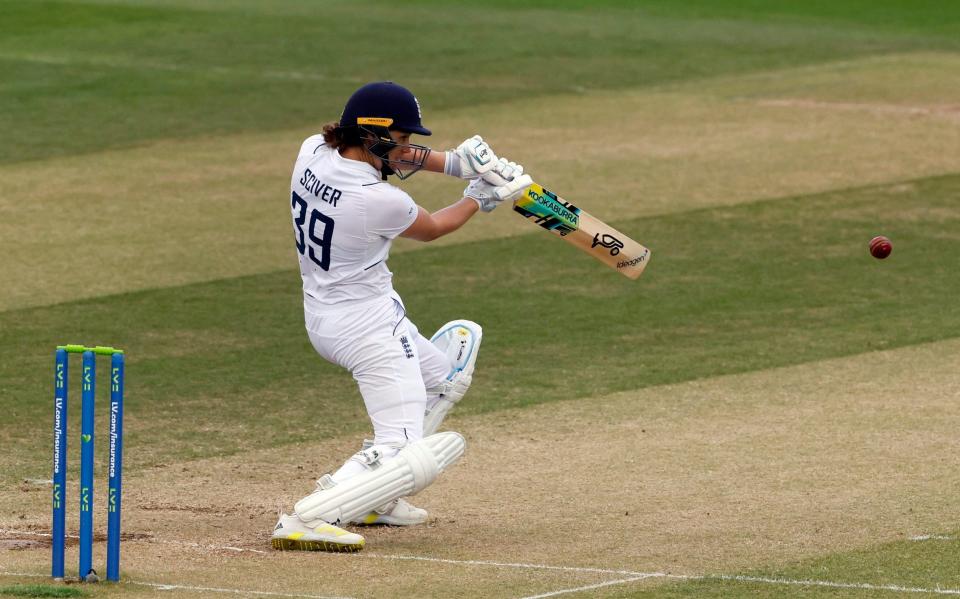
column 321, row 190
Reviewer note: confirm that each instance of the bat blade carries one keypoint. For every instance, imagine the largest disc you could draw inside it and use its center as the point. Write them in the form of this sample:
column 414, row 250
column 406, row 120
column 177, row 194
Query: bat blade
column 579, row 228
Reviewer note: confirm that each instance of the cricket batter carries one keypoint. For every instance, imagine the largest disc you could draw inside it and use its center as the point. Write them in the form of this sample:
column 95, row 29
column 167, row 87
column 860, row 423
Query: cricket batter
column 345, row 217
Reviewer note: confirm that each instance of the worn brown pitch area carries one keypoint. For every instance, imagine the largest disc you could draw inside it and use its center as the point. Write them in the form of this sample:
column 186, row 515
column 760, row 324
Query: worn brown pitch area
column 707, row 476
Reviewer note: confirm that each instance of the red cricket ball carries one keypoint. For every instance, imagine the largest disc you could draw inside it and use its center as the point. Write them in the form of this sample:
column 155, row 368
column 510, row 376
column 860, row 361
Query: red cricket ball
column 880, row 247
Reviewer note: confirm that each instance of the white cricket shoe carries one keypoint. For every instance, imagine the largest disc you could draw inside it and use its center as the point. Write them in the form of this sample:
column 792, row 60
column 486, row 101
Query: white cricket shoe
column 291, row 533
column 396, row 513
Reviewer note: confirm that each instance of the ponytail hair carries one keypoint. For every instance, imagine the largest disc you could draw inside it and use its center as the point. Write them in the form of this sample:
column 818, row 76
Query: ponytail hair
column 339, row 137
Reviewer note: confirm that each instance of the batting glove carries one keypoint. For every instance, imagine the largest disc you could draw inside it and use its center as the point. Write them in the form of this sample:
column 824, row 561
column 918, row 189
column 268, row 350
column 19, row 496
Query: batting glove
column 488, row 196
column 514, row 189
column 503, row 172
column 471, row 159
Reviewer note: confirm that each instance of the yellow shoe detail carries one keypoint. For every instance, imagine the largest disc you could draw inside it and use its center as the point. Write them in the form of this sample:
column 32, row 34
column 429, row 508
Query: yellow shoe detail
column 292, row 533
column 371, row 518
column 293, row 545
column 330, row 529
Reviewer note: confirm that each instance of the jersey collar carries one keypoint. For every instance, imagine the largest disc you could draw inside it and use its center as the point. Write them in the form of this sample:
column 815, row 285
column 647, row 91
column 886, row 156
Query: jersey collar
column 356, row 165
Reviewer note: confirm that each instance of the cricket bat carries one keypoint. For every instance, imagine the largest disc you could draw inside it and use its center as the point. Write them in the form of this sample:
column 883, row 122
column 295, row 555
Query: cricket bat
column 582, row 230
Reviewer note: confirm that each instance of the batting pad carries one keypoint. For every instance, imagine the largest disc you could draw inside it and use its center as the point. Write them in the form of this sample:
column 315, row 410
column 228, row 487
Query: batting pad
column 412, row 470
column 460, row 341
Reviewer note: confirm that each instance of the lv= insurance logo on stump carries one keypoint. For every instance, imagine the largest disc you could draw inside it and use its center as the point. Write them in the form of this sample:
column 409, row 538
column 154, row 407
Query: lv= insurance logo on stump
column 115, row 466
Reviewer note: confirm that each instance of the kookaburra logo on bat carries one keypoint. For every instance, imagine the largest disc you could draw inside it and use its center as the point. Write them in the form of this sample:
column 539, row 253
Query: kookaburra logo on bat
column 583, row 231
column 608, row 241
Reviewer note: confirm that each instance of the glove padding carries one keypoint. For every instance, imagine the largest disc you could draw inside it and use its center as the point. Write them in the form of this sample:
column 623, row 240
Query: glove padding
column 471, row 159
column 489, row 196
column 514, row 189
column 503, row 172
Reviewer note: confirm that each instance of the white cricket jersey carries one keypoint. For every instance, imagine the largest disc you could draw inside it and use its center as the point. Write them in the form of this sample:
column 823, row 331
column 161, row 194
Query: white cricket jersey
column 344, row 220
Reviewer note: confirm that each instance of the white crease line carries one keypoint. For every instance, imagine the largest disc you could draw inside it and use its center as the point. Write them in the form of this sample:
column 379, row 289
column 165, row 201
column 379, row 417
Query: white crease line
column 202, row 546
column 147, row 539
column 932, row 538
column 762, row 580
column 834, row 585
column 686, row 577
column 172, row 587
column 633, row 575
column 587, row 588
column 509, row 565
column 160, row 586
column 30, row 533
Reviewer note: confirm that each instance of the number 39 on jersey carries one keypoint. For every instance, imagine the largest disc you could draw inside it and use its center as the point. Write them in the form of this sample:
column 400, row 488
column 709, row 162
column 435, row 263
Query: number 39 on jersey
column 313, row 236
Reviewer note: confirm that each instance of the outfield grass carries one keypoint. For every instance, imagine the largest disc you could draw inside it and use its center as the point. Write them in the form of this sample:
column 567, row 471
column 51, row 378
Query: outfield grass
column 729, row 290
column 40, row 590
column 755, row 146
column 899, row 568
column 86, row 76
column 644, row 152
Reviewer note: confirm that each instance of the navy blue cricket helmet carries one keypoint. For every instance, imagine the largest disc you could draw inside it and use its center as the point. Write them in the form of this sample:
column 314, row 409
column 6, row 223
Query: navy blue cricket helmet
column 384, row 104
column 372, row 111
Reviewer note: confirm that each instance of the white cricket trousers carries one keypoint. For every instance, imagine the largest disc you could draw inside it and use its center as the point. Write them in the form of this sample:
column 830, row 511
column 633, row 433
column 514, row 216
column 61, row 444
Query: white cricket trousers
column 391, row 361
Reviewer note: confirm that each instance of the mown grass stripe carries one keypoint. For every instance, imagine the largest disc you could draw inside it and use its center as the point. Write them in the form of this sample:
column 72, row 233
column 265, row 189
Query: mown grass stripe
column 729, row 290
column 834, row 585
column 51, row 110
